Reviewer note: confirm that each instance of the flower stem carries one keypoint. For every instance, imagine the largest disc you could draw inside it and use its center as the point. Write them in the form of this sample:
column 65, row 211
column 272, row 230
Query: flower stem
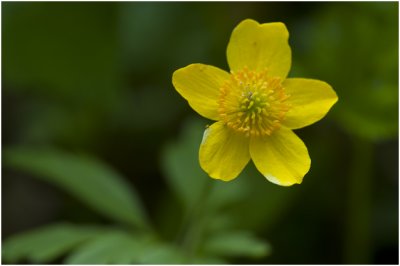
column 193, row 223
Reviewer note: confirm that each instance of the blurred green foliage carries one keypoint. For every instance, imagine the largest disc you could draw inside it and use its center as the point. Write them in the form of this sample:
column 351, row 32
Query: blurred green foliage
column 365, row 43
column 95, row 78
column 83, row 177
column 135, row 241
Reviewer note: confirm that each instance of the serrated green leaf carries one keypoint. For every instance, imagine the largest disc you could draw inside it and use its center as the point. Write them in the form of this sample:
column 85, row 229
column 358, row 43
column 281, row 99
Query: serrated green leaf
column 86, row 178
column 119, row 247
column 112, row 247
column 161, row 253
column 47, row 243
column 236, row 244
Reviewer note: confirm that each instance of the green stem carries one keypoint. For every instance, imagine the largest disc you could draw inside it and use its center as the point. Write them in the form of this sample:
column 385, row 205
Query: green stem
column 192, row 227
column 358, row 235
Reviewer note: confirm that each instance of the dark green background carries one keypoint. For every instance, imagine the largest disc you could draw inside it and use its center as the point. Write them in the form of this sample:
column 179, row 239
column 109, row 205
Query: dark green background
column 95, row 78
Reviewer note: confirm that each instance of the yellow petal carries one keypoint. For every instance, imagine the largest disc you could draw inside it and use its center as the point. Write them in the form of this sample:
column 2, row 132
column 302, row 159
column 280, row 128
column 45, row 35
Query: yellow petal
column 282, row 157
column 200, row 85
column 260, row 46
column 223, row 152
column 310, row 101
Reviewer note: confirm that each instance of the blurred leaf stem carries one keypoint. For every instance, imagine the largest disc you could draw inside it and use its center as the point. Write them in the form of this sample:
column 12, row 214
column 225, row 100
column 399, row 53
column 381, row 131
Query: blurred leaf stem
column 192, row 227
column 357, row 248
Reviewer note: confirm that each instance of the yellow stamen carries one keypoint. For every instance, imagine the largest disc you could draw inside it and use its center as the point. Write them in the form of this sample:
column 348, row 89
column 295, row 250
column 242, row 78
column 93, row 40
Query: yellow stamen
column 253, row 103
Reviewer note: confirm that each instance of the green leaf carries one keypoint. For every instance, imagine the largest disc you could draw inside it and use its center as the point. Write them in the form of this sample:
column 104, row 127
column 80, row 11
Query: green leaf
column 112, row 247
column 188, row 180
column 86, row 178
column 208, row 260
column 47, row 243
column 180, row 163
column 120, row 247
column 236, row 244
column 161, row 253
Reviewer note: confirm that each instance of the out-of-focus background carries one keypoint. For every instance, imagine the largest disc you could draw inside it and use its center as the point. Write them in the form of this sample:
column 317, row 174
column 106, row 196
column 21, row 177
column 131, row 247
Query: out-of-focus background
column 99, row 152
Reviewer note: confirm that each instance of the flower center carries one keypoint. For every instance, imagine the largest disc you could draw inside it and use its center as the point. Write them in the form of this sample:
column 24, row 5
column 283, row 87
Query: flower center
column 253, row 103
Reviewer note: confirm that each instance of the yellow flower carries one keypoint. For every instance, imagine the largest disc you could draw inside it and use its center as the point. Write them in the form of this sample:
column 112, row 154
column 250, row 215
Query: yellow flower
column 256, row 107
